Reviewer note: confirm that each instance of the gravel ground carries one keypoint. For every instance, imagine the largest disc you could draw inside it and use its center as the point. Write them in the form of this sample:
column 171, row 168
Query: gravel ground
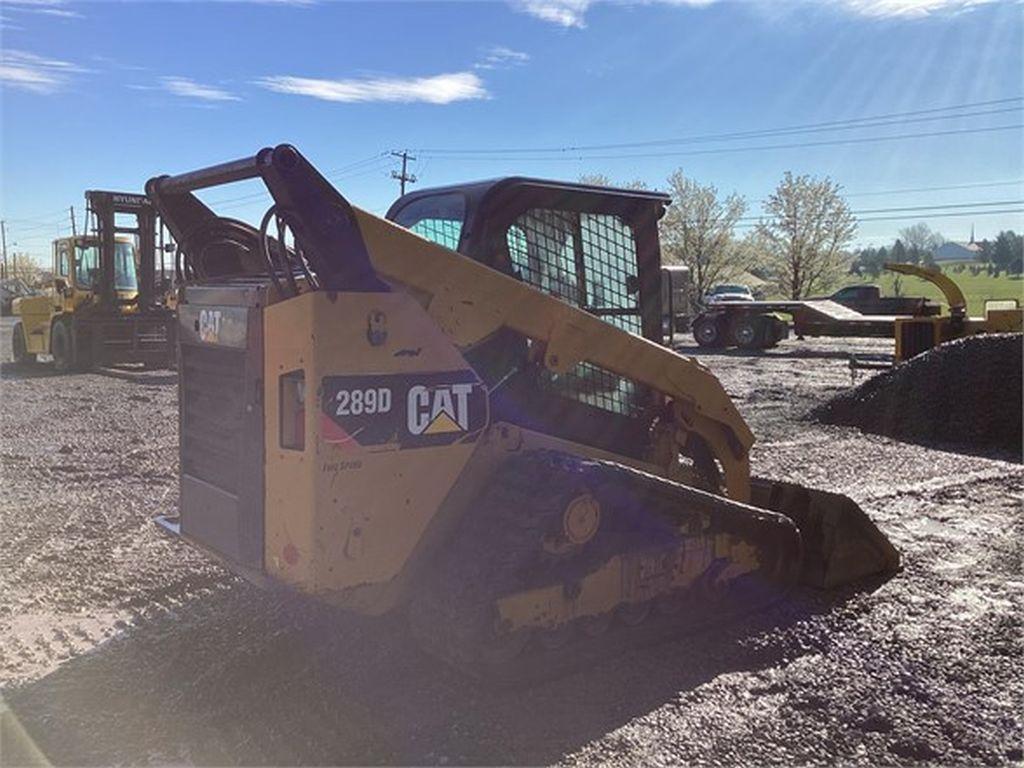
column 120, row 645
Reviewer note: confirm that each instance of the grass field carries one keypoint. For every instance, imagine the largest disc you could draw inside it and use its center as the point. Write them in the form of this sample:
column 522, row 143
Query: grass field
column 978, row 289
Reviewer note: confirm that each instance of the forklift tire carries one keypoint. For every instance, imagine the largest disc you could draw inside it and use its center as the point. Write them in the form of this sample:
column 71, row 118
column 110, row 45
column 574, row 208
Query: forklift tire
column 62, row 347
column 708, row 332
column 19, row 346
column 747, row 332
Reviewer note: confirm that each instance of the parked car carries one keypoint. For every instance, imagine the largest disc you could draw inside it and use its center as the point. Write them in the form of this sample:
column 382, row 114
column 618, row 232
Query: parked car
column 727, row 292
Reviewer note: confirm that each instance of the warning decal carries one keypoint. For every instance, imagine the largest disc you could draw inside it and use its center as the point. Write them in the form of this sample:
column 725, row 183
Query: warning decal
column 410, row 410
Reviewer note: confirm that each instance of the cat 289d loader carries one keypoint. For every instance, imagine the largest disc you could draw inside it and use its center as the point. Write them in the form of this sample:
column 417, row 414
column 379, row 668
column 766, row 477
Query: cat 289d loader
column 465, row 413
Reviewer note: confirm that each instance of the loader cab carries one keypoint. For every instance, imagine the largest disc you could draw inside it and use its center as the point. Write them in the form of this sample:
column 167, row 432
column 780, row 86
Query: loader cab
column 593, row 247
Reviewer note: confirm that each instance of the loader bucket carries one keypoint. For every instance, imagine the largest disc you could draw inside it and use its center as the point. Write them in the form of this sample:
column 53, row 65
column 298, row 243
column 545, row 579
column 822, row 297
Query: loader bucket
column 841, row 543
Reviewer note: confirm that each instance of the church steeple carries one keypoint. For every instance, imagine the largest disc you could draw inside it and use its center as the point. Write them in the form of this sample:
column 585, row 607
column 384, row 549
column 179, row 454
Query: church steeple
column 972, row 234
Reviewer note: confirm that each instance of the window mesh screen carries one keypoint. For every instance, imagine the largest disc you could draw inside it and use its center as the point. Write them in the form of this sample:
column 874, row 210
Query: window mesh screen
column 609, row 258
column 542, row 247
column 588, row 260
column 444, row 232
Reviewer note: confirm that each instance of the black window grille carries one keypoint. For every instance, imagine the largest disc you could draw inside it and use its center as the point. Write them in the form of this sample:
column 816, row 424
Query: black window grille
column 438, row 218
column 444, row 232
column 588, row 260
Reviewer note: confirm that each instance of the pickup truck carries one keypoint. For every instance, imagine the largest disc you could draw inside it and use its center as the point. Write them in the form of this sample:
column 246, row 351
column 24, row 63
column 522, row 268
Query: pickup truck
column 868, row 300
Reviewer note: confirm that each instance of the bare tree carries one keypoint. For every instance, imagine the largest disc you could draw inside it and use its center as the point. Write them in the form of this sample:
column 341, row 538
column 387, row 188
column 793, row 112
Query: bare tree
column 600, row 180
column 697, row 230
column 807, row 227
column 921, row 242
column 25, row 267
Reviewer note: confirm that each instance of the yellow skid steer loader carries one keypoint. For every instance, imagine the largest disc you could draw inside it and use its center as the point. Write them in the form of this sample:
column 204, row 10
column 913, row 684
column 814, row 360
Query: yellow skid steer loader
column 466, row 413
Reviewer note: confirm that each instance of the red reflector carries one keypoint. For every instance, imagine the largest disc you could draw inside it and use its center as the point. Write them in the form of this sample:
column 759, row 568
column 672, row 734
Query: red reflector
column 291, row 554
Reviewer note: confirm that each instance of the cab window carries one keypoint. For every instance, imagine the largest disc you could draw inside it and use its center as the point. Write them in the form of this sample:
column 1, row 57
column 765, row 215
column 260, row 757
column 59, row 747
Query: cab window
column 87, row 264
column 436, row 217
column 125, row 278
column 63, row 265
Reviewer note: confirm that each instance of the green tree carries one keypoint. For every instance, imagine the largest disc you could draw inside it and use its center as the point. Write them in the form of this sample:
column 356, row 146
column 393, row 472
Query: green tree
column 697, row 230
column 898, row 255
column 1008, row 252
column 808, row 225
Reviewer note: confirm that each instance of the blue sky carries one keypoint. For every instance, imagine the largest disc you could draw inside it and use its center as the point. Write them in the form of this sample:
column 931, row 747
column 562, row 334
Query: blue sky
column 105, row 95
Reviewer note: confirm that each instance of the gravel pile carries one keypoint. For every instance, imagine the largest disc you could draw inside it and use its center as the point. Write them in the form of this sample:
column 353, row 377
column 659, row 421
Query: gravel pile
column 965, row 393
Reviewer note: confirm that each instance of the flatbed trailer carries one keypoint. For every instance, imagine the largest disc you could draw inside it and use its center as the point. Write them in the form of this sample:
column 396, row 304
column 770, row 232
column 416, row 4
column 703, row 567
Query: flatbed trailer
column 762, row 324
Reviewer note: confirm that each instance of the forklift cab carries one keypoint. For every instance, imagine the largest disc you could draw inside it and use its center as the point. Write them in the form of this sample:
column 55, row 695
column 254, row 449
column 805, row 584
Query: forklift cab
column 77, row 273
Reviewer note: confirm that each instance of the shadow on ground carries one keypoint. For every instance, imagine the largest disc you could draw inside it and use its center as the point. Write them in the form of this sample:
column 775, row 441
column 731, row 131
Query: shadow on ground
column 15, row 371
column 138, row 375
column 239, row 677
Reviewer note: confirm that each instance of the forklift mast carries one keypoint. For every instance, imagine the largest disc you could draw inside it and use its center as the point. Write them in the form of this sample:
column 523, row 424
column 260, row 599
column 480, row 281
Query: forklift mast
column 108, row 208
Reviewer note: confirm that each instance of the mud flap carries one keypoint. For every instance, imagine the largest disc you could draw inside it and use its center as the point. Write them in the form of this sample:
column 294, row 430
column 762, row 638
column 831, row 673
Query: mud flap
column 841, row 543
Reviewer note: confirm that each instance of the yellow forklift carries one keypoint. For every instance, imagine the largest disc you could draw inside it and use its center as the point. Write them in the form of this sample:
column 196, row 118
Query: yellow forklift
column 106, row 305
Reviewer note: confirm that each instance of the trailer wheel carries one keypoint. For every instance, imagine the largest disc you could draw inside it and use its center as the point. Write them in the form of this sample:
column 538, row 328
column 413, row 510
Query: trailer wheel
column 19, row 346
column 708, row 332
column 61, row 347
column 748, row 331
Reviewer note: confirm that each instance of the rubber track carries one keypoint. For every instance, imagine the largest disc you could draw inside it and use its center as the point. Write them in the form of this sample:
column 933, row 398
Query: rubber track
column 496, row 552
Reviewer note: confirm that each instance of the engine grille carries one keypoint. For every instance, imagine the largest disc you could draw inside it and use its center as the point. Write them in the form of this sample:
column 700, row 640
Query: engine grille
column 212, row 380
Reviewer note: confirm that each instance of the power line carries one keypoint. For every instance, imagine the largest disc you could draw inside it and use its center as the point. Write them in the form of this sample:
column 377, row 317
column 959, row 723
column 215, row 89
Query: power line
column 33, row 227
column 40, row 218
column 730, row 150
column 955, row 214
column 336, row 173
column 912, row 208
column 1017, row 182
column 861, row 122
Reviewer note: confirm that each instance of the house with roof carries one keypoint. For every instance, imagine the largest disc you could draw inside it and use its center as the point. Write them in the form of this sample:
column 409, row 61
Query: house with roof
column 957, row 250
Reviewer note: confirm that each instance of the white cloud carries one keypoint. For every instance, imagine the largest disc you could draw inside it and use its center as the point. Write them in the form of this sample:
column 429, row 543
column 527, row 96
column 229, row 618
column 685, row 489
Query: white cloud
column 893, row 8
column 438, row 89
column 572, row 13
column 498, row 56
column 565, row 13
column 57, row 8
column 29, row 72
column 190, row 89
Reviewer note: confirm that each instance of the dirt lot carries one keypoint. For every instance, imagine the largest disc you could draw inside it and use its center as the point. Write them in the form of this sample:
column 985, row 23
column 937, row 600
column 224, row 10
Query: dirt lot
column 119, row 645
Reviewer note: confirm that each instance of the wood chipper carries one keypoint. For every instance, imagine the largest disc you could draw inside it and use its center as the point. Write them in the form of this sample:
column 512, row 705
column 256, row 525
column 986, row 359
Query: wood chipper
column 915, row 335
column 105, row 306
column 465, row 413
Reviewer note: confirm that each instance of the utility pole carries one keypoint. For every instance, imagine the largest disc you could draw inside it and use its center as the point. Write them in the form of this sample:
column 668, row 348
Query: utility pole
column 72, row 211
column 3, row 238
column 403, row 177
